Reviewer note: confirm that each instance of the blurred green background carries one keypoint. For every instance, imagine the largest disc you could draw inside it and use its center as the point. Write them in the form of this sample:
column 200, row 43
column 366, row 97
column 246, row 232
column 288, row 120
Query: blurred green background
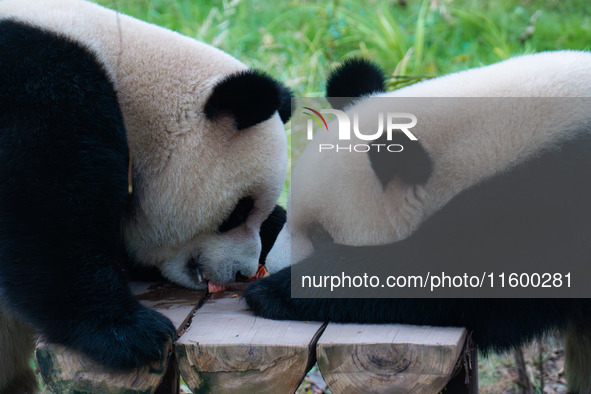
column 298, row 41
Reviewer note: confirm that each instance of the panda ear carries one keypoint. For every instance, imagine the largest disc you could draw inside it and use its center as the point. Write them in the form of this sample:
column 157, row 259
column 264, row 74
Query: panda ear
column 412, row 165
column 250, row 97
column 354, row 78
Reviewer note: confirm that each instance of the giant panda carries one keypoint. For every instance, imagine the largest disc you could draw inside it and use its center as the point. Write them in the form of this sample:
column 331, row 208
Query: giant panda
column 509, row 188
column 123, row 141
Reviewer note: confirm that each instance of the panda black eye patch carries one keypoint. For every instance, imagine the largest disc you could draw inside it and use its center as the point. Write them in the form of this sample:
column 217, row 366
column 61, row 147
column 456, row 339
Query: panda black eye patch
column 238, row 215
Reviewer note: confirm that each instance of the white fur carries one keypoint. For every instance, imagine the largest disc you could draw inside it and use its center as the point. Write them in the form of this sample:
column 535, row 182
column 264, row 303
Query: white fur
column 191, row 171
column 330, row 188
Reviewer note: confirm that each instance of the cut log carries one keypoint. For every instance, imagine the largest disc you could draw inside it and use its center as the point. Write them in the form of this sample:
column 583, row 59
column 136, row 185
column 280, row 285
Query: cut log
column 355, row 358
column 177, row 304
column 465, row 379
column 229, row 350
column 65, row 370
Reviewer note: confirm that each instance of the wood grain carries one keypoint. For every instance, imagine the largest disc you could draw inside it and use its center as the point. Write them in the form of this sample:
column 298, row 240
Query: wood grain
column 66, row 371
column 229, row 350
column 356, row 358
column 177, row 304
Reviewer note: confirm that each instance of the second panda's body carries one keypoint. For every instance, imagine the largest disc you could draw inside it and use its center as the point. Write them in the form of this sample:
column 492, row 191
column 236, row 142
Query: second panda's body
column 513, row 188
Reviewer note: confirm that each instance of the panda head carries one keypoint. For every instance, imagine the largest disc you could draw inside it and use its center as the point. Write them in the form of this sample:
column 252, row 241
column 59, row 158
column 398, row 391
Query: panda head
column 335, row 196
column 197, row 214
column 371, row 199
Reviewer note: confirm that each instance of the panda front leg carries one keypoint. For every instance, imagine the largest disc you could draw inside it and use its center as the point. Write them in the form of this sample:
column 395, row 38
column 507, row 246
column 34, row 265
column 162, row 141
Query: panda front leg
column 16, row 350
column 59, row 271
column 61, row 253
column 63, row 194
column 60, row 263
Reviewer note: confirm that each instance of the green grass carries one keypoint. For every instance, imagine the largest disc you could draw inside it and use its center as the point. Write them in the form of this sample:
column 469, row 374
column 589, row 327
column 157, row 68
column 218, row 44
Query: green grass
column 298, row 41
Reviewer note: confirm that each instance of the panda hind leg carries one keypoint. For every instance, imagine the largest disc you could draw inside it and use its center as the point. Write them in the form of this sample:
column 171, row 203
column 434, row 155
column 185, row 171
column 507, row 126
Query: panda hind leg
column 17, row 342
column 577, row 346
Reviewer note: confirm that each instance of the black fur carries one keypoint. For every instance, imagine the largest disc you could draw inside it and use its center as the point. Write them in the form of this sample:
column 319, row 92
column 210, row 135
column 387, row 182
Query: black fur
column 354, row 78
column 285, row 106
column 270, row 230
column 238, row 215
column 63, row 192
column 135, row 271
column 250, row 97
column 24, row 383
column 538, row 211
column 413, row 165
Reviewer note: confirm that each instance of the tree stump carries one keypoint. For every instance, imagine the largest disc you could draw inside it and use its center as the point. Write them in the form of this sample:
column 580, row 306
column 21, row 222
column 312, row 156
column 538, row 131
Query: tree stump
column 229, row 350
column 65, row 370
column 356, row 358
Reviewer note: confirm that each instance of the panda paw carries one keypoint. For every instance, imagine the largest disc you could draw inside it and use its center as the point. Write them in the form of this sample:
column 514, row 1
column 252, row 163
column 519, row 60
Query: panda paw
column 271, row 297
column 130, row 342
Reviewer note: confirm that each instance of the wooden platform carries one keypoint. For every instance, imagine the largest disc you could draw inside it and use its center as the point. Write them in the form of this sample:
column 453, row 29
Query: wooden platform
column 224, row 348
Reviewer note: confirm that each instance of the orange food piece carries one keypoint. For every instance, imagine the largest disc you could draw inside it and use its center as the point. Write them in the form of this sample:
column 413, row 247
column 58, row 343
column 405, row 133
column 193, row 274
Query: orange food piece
column 214, row 287
column 261, row 273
